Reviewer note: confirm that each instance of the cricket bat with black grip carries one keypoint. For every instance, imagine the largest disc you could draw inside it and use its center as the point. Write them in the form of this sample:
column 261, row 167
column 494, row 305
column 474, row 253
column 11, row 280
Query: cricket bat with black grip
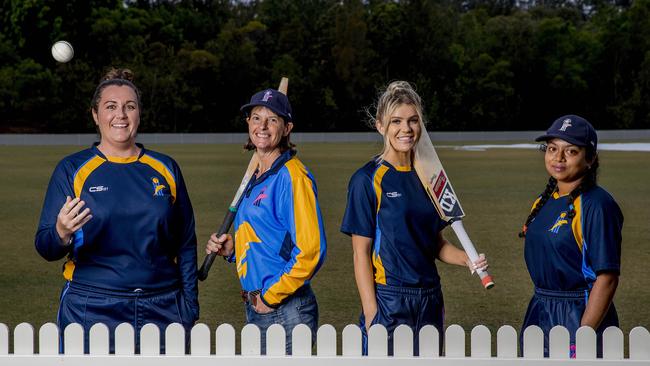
column 432, row 175
column 232, row 209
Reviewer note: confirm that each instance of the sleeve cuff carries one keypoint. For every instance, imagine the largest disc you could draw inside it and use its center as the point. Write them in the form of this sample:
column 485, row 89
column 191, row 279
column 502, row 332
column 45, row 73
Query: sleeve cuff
column 272, row 306
column 230, row 258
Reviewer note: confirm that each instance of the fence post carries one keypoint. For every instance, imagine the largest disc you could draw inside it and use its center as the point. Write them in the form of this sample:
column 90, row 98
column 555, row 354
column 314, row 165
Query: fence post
column 250, row 340
column 150, row 340
column 533, row 342
column 507, row 342
column 200, row 340
column 175, row 339
column 455, row 341
column 429, row 341
column 48, row 339
column 403, row 341
column 24, row 339
column 639, row 344
column 99, row 340
column 585, row 343
column 613, row 344
column 124, row 340
column 377, row 341
column 224, row 338
column 276, row 340
column 4, row 339
column 559, row 343
column 481, row 342
column 301, row 340
column 351, row 341
column 326, row 341
column 73, row 339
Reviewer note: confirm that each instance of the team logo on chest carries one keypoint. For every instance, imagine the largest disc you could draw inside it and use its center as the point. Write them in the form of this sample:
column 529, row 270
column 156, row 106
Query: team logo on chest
column 258, row 200
column 393, row 194
column 158, row 189
column 559, row 222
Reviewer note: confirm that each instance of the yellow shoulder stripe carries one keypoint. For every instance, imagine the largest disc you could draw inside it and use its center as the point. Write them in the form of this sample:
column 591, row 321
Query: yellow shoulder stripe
column 84, row 172
column 161, row 168
column 379, row 175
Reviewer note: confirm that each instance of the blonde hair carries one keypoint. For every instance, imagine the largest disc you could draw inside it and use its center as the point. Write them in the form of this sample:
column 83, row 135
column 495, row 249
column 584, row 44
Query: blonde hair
column 397, row 93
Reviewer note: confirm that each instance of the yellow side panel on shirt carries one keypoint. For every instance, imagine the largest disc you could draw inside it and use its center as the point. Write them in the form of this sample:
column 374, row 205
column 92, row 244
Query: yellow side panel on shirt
column 244, row 236
column 84, row 172
column 68, row 270
column 308, row 238
column 380, row 272
column 162, row 169
column 576, row 224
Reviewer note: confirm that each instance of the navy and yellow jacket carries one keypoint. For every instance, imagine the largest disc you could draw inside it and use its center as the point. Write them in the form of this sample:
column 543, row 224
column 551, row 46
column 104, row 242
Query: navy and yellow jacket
column 141, row 234
column 279, row 235
column 566, row 254
column 389, row 205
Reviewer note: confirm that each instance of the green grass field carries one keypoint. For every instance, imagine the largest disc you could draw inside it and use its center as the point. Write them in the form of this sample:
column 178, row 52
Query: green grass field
column 496, row 188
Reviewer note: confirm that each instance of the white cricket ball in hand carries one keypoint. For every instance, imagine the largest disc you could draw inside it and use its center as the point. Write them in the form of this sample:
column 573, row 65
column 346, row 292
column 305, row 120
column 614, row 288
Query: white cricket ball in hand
column 62, row 51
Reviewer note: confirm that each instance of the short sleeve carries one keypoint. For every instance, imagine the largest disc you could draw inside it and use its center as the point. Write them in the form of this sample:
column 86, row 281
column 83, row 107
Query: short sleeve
column 361, row 210
column 603, row 223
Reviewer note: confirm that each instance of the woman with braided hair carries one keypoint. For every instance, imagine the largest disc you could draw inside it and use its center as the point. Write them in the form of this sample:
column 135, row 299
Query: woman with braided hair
column 572, row 237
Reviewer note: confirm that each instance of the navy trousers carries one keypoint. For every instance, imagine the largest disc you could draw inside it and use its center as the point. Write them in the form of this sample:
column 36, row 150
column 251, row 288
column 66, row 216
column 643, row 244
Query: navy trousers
column 549, row 308
column 415, row 307
column 89, row 305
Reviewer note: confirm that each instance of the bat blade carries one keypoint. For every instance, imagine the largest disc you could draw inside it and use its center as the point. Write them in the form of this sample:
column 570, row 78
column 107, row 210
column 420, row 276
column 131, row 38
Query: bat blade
column 437, row 185
column 434, row 179
column 284, row 85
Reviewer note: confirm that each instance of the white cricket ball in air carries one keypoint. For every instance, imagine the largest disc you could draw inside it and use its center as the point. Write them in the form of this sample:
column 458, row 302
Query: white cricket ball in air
column 62, row 51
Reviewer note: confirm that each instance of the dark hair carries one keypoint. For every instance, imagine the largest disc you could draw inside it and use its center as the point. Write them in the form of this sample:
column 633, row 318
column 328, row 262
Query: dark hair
column 589, row 180
column 117, row 77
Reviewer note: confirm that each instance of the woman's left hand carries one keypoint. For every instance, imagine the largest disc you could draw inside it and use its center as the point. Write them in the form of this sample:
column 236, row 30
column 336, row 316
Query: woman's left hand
column 480, row 264
column 260, row 306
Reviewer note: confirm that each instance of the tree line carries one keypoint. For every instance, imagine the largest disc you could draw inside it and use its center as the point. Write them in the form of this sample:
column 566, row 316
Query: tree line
column 478, row 64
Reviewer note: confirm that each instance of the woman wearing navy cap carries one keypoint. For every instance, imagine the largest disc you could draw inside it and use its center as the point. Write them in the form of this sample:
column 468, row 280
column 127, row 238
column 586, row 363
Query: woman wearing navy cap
column 572, row 237
column 279, row 240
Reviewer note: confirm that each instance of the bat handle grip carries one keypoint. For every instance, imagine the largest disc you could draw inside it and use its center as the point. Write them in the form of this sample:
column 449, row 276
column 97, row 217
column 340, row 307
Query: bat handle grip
column 469, row 248
column 209, row 259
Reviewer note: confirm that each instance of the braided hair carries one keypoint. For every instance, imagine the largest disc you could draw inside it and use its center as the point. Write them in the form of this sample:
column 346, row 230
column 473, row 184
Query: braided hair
column 589, row 180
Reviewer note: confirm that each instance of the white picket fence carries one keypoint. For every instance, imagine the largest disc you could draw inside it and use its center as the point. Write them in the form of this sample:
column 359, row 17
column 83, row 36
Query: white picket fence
column 24, row 352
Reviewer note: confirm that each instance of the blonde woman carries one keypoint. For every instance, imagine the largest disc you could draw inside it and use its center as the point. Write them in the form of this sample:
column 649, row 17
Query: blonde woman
column 395, row 229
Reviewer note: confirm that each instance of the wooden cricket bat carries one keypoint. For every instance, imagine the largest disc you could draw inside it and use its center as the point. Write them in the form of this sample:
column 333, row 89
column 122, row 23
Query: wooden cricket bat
column 432, row 175
column 234, row 205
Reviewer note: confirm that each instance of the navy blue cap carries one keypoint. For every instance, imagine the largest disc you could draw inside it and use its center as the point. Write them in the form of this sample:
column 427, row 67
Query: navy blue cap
column 273, row 100
column 573, row 129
